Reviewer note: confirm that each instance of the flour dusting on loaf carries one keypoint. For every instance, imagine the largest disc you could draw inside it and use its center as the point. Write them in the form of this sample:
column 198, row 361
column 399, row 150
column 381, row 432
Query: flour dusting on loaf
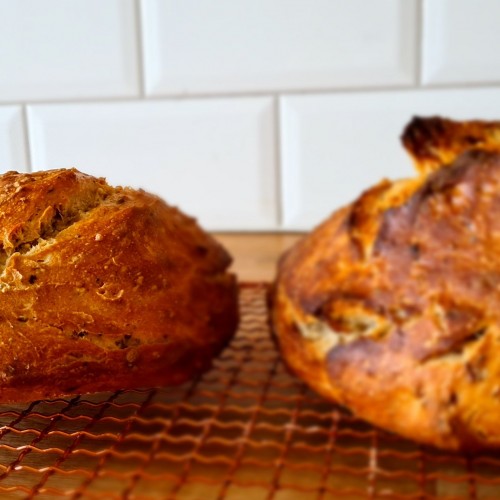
column 104, row 288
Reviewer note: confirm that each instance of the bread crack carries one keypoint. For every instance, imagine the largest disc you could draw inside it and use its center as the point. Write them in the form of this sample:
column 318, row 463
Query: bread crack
column 457, row 350
column 53, row 221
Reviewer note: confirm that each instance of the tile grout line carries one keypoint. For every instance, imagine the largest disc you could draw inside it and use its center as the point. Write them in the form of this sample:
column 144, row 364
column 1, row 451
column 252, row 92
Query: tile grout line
column 139, row 40
column 419, row 46
column 278, row 174
column 254, row 94
column 27, row 142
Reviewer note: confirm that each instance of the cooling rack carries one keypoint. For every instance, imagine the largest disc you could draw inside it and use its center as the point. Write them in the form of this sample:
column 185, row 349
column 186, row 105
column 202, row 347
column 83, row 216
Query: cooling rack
column 245, row 430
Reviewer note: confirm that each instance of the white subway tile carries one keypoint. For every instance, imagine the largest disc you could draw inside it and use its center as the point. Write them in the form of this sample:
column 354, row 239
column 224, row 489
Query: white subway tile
column 200, row 46
column 215, row 158
column 335, row 146
column 59, row 49
column 460, row 40
column 12, row 140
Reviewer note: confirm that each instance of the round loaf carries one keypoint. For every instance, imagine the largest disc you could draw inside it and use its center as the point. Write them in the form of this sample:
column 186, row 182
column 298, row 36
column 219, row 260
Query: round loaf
column 104, row 288
column 391, row 307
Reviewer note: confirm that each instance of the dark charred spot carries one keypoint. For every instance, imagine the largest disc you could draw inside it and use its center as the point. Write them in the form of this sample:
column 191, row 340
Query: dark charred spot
column 127, row 340
column 415, row 250
column 422, row 133
column 201, row 250
column 32, row 279
column 470, row 139
column 453, row 399
column 22, row 319
column 79, row 334
column 474, row 336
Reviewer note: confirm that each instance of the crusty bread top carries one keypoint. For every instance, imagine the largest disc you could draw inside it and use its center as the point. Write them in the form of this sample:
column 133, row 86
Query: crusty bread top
column 437, row 225
column 90, row 273
column 433, row 143
column 394, row 299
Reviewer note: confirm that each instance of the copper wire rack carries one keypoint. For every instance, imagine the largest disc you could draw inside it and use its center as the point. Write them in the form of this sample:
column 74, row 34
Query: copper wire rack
column 247, row 429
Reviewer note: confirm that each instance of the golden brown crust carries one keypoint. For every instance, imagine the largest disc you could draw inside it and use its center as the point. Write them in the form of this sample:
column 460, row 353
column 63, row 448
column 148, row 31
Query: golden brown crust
column 391, row 307
column 104, row 288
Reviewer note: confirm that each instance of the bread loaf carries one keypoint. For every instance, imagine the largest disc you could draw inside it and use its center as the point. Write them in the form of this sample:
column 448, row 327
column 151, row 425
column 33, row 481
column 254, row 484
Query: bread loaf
column 104, row 288
column 391, row 307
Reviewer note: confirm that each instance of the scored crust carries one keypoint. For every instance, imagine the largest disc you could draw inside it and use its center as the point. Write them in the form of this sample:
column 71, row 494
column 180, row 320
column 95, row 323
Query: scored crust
column 104, row 288
column 391, row 306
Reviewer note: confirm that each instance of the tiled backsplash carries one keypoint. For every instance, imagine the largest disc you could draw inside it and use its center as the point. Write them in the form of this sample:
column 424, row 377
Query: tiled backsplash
column 248, row 114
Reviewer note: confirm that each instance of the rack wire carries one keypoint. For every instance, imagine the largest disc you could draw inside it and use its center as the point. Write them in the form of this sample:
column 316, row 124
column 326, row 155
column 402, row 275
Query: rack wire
column 247, row 429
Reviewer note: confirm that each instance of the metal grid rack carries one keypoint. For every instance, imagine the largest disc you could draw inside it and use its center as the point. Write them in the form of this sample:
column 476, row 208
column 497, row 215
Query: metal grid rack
column 247, row 429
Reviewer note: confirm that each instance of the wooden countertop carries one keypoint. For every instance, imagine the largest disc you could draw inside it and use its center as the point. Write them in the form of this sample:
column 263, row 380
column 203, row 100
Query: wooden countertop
column 255, row 255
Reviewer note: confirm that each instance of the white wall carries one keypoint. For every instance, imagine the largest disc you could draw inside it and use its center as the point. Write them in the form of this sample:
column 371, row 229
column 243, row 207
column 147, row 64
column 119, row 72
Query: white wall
column 249, row 114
